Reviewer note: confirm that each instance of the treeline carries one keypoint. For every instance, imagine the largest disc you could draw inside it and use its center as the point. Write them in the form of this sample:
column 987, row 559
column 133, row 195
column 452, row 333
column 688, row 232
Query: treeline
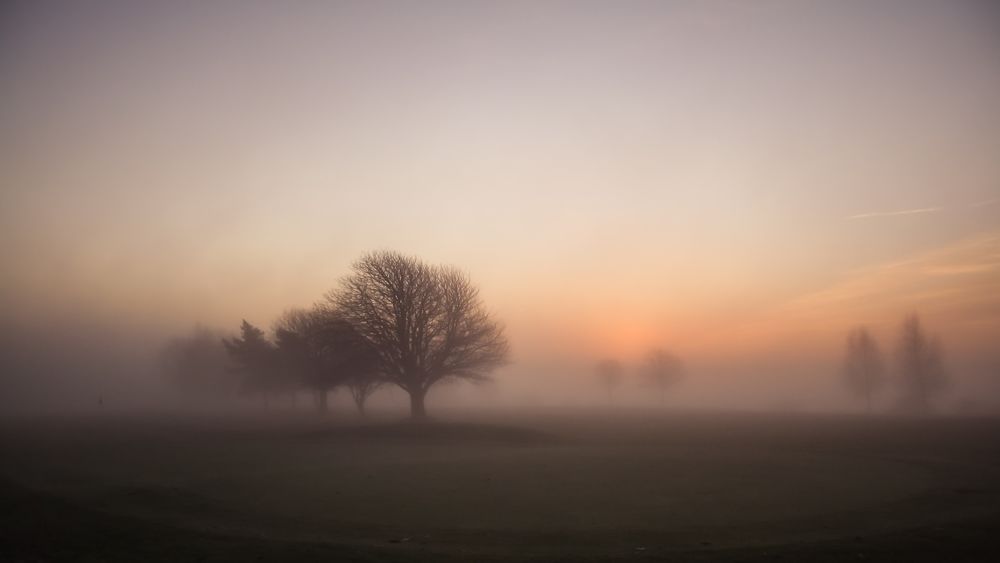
column 919, row 366
column 311, row 349
column 394, row 320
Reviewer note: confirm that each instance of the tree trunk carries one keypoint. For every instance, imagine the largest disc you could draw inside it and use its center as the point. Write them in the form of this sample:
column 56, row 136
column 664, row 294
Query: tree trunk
column 361, row 406
column 417, row 410
column 321, row 402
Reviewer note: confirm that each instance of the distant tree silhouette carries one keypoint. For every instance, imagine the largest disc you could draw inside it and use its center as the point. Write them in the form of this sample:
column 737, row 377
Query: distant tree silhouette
column 254, row 359
column 300, row 355
column 609, row 375
column 323, row 351
column 426, row 323
column 864, row 370
column 197, row 363
column 662, row 369
column 921, row 365
column 348, row 358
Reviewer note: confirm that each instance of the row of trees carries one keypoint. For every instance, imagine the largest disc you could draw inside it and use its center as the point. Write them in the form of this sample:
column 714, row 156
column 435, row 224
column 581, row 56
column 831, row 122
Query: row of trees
column 919, row 365
column 312, row 349
column 659, row 368
column 394, row 320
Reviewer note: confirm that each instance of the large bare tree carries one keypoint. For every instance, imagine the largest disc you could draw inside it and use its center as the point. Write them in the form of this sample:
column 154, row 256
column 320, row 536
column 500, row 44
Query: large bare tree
column 864, row 370
column 921, row 365
column 426, row 323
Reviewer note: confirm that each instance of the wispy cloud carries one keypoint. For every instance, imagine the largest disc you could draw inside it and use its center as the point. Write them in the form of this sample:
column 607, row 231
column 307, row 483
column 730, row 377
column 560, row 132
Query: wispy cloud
column 917, row 211
column 958, row 280
column 986, row 202
column 894, row 213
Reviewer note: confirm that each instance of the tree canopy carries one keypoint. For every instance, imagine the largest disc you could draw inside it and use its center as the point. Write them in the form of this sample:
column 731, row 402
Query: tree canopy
column 426, row 323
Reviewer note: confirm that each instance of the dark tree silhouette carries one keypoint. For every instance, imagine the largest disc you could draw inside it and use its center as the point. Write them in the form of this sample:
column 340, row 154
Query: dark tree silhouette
column 609, row 375
column 197, row 363
column 864, row 370
column 300, row 354
column 348, row 358
column 921, row 365
column 661, row 369
column 426, row 323
column 323, row 351
column 254, row 359
column 362, row 386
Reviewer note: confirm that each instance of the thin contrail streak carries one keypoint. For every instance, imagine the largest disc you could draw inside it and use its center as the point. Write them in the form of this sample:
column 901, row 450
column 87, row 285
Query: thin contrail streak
column 894, row 213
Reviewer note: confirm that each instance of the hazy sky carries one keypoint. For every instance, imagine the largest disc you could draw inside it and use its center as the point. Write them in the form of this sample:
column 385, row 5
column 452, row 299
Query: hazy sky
column 734, row 176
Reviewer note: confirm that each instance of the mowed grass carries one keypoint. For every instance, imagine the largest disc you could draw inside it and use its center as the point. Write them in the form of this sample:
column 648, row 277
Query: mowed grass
column 571, row 485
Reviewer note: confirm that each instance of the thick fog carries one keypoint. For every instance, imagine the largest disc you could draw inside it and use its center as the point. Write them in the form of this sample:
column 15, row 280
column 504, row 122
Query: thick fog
column 79, row 364
column 738, row 186
column 499, row 280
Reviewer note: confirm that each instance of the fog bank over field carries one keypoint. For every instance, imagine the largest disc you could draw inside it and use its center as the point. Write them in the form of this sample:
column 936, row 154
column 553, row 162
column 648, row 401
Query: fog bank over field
column 788, row 357
column 737, row 185
column 711, row 281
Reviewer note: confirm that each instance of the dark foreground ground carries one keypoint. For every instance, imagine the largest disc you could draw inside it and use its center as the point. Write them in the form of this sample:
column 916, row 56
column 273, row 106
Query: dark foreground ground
column 564, row 486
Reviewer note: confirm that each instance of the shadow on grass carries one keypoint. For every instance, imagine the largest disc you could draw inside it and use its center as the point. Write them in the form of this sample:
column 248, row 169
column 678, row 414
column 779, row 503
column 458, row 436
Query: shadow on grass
column 431, row 432
column 39, row 527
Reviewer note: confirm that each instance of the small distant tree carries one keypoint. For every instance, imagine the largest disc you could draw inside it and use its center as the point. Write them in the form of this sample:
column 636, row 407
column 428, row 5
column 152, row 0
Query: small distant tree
column 323, row 351
column 609, row 375
column 254, row 360
column 661, row 369
column 921, row 365
column 197, row 363
column 426, row 324
column 864, row 370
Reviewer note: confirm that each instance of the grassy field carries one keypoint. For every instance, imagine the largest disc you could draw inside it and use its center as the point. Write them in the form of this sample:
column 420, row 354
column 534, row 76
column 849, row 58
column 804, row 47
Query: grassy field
column 556, row 486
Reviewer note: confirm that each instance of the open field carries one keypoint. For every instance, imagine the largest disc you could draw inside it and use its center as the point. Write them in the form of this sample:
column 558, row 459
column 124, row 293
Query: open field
column 532, row 486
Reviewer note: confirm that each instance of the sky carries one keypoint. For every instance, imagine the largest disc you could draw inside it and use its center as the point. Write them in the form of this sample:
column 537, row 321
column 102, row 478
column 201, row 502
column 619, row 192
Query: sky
column 736, row 181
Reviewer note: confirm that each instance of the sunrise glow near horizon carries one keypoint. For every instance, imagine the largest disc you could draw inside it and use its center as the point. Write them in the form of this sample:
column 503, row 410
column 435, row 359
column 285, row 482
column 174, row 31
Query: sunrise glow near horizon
column 737, row 181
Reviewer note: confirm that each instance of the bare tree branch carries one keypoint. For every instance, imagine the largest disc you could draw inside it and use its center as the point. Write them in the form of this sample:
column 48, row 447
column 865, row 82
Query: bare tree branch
column 426, row 323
